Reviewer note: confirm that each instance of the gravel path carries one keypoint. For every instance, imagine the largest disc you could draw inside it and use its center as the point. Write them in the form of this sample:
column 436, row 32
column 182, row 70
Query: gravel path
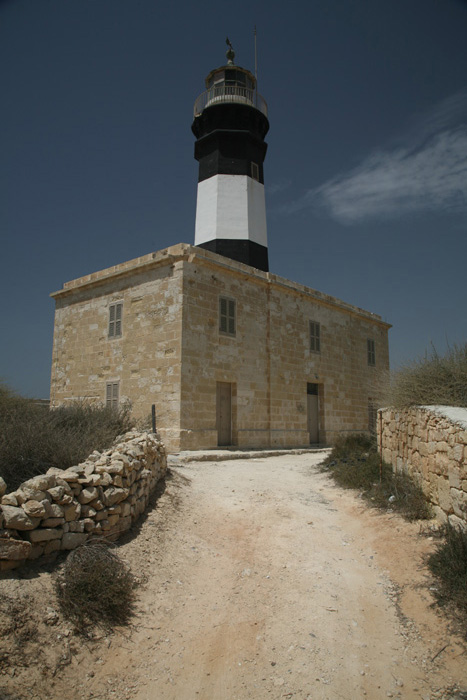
column 262, row 579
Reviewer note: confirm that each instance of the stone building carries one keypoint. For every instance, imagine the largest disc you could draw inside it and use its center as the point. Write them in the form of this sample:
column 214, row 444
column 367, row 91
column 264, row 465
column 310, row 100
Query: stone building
column 229, row 353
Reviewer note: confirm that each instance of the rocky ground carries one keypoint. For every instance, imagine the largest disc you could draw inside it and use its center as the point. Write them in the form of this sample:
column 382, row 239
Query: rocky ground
column 257, row 579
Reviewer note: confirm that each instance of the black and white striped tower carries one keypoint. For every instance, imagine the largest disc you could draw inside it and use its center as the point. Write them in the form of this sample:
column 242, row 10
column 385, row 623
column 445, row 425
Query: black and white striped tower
column 230, row 124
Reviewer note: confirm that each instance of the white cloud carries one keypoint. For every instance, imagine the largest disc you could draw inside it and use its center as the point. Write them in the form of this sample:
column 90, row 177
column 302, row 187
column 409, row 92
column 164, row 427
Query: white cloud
column 277, row 187
column 444, row 116
column 427, row 173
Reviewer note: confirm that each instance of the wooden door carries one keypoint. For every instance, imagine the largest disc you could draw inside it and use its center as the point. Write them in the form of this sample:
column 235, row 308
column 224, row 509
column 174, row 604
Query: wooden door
column 224, row 413
column 313, row 412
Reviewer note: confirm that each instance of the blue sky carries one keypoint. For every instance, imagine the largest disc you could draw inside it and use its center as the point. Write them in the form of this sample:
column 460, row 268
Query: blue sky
column 366, row 171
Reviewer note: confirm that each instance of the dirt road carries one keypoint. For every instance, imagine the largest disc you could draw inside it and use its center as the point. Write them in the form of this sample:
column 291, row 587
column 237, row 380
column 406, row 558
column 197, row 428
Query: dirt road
column 262, row 579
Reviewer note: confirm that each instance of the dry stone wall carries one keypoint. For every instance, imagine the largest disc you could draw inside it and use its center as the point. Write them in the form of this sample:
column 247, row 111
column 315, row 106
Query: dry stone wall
column 62, row 509
column 431, row 444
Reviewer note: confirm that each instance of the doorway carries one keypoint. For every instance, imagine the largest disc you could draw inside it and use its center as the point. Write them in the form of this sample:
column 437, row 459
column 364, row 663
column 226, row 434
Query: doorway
column 224, row 413
column 312, row 404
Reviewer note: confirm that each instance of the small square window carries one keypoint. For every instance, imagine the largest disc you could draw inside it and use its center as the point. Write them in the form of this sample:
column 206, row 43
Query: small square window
column 255, row 171
column 315, row 336
column 115, row 320
column 370, row 347
column 112, row 390
column 227, row 313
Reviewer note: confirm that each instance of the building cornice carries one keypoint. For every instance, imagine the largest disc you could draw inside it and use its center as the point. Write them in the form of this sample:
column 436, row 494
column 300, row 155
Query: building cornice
column 192, row 254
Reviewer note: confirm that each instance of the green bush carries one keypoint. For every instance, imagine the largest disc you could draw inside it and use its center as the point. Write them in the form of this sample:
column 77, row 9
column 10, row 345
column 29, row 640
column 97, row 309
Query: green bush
column 355, row 463
column 95, row 588
column 433, row 380
column 449, row 564
column 34, row 438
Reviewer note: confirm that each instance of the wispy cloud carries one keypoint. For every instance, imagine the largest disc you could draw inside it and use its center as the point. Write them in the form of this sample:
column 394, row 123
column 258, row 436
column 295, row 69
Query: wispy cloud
column 425, row 171
column 277, row 187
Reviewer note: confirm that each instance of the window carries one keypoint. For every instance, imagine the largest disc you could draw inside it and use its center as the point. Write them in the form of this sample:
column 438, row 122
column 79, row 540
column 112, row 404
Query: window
column 315, row 336
column 227, row 316
column 255, row 171
column 111, row 394
column 115, row 320
column 370, row 347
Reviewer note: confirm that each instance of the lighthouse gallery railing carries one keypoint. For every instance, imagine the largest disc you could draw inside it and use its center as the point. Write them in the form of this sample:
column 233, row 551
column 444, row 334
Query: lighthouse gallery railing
column 230, row 93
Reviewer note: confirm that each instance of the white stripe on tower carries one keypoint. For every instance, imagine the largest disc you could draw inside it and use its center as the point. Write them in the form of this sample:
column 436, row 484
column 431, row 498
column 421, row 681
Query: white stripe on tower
column 231, row 206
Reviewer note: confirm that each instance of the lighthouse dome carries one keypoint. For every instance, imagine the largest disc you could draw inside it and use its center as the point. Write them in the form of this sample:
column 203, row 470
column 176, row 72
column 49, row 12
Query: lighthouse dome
column 230, row 83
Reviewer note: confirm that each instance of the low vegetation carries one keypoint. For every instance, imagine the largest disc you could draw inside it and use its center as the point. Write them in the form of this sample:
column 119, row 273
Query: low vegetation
column 34, row 438
column 95, row 588
column 434, row 380
column 449, row 564
column 355, row 463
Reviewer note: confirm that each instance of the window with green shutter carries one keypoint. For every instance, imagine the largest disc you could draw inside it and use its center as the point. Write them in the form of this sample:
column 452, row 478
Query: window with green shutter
column 371, row 353
column 227, row 312
column 111, row 394
column 315, row 336
column 115, row 320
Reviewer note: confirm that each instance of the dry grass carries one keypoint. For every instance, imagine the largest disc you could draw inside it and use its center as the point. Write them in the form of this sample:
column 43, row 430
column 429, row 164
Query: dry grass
column 432, row 380
column 95, row 588
column 355, row 463
column 449, row 564
column 33, row 438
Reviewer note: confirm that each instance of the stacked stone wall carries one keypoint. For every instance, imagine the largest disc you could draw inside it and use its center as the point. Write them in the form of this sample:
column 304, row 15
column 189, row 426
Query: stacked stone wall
column 433, row 448
column 101, row 497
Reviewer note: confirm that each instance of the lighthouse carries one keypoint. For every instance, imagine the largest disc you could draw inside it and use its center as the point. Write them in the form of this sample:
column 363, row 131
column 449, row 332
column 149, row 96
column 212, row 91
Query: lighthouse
column 230, row 124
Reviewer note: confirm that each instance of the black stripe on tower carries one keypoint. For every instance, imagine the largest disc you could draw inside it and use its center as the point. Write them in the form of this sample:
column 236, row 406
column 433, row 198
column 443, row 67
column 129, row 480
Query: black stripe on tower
column 247, row 252
column 230, row 141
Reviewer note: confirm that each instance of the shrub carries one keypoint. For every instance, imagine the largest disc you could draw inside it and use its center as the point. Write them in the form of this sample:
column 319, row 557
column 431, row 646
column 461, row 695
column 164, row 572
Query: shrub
column 355, row 463
column 433, row 380
column 95, row 588
column 33, row 438
column 449, row 564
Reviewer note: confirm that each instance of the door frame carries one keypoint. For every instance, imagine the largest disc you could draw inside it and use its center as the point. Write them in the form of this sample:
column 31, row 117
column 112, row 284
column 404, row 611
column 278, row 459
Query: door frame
column 221, row 440
column 313, row 390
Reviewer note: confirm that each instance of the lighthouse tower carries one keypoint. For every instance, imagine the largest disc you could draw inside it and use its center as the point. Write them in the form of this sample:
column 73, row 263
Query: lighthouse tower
column 230, row 124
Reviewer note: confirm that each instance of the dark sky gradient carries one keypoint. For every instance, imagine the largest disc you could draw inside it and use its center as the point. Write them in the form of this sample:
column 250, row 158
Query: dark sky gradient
column 366, row 172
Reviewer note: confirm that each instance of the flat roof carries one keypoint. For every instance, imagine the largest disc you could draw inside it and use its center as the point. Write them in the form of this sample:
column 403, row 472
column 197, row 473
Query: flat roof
column 191, row 253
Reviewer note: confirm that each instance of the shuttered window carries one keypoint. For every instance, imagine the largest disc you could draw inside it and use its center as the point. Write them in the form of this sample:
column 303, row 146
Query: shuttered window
column 227, row 321
column 115, row 320
column 371, row 354
column 111, row 394
column 315, row 336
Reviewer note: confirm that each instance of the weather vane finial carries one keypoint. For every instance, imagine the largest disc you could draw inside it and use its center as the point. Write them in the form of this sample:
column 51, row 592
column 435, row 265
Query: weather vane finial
column 230, row 53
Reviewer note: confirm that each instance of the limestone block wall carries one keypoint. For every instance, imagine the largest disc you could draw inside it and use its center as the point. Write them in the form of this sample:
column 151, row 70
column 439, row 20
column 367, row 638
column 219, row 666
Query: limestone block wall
column 431, row 444
column 210, row 356
column 346, row 382
column 62, row 509
column 172, row 352
column 268, row 361
column 144, row 361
